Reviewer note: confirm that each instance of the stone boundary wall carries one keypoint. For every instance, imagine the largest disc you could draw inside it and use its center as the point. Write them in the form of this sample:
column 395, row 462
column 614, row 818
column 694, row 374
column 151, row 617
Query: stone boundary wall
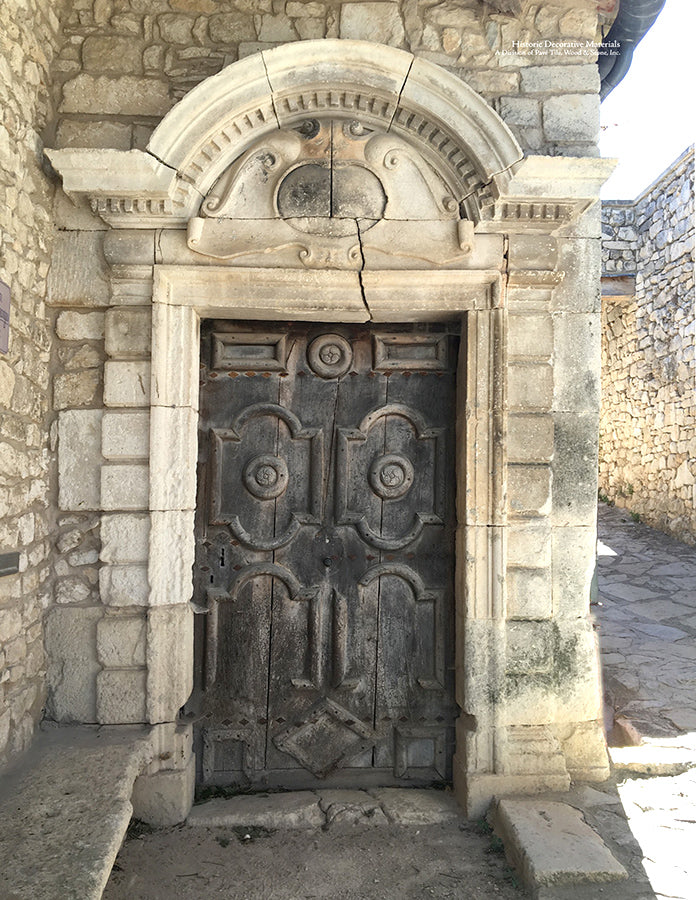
column 28, row 39
column 647, row 458
column 619, row 238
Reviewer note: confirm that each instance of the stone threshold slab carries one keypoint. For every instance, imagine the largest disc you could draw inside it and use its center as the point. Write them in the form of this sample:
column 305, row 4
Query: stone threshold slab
column 321, row 809
column 552, row 847
column 65, row 809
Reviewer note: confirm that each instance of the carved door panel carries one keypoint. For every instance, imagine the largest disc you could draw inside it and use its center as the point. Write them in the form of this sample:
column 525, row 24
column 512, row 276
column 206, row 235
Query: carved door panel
column 324, row 555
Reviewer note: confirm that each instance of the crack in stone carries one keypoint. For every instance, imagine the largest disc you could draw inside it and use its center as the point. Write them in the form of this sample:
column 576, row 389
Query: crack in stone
column 401, row 90
column 270, row 89
column 161, row 161
column 360, row 272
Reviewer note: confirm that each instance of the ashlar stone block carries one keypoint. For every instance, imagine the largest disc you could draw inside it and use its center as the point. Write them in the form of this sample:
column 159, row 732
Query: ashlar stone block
column 574, row 559
column 125, row 487
column 127, row 332
column 169, row 660
column 560, row 79
column 121, row 696
column 127, row 383
column 125, row 585
column 580, row 289
column 529, row 593
column 529, row 648
column 127, row 95
column 126, row 435
column 171, row 557
column 125, row 538
column 529, row 438
column 372, row 21
column 79, row 459
column 529, row 545
column 574, row 469
column 72, row 663
column 530, row 336
column 530, row 387
column 577, row 370
column 77, row 276
column 80, row 326
column 529, row 490
column 571, row 118
column 121, row 641
column 175, row 448
column 177, row 331
column 109, row 55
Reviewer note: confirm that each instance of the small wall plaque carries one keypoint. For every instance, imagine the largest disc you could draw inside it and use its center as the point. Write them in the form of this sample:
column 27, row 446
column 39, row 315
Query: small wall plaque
column 4, row 317
column 9, row 563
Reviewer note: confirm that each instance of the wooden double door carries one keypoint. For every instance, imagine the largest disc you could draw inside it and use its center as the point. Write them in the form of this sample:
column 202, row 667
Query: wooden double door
column 324, row 562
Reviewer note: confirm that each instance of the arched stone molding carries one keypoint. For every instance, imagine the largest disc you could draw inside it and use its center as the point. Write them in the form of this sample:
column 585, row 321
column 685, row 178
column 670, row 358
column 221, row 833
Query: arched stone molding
column 434, row 112
column 388, row 89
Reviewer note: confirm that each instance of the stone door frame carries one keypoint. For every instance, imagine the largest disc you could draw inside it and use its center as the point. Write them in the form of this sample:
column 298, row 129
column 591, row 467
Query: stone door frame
column 502, row 232
column 184, row 295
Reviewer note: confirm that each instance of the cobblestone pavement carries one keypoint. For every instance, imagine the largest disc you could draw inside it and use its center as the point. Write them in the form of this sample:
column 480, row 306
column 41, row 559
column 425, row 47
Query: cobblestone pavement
column 646, row 620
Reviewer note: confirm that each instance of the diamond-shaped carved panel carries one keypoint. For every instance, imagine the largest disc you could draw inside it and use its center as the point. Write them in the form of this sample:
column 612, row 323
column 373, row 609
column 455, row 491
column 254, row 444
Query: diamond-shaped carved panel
column 328, row 735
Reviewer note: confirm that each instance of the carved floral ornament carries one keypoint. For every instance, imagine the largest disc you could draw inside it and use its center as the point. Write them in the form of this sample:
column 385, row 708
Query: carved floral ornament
column 360, row 131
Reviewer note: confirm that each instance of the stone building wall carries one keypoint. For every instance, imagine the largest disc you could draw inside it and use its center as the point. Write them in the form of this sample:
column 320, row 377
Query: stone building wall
column 648, row 420
column 29, row 35
column 124, row 63
column 122, row 66
column 113, row 641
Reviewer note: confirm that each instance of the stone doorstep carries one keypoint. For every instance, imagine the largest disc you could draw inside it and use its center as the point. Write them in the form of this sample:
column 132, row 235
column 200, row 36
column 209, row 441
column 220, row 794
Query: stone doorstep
column 65, row 809
column 552, row 847
column 322, row 808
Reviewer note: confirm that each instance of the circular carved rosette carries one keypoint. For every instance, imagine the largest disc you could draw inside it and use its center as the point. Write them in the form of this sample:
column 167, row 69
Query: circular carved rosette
column 266, row 477
column 391, row 476
column 330, row 356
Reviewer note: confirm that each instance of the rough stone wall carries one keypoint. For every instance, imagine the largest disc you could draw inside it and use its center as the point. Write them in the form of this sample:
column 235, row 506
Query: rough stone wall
column 619, row 238
column 28, row 38
column 648, row 421
column 124, row 63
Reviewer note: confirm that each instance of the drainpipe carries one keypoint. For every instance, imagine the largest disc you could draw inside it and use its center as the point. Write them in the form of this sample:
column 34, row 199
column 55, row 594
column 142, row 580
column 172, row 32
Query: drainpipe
column 633, row 21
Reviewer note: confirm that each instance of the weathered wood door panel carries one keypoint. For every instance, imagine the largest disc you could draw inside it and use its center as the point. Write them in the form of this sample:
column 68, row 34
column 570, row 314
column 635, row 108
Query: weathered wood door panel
column 324, row 555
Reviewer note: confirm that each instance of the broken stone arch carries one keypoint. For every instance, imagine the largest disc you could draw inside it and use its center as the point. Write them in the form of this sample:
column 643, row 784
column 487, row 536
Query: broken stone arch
column 414, row 189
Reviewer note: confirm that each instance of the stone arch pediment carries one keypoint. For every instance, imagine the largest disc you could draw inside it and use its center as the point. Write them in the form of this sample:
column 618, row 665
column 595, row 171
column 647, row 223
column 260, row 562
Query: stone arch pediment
column 382, row 89
column 463, row 160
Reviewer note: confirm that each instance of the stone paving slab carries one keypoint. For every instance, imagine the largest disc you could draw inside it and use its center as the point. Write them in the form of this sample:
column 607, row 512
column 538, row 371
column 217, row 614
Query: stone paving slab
column 312, row 809
column 646, row 624
column 66, row 810
column 550, row 844
column 298, row 809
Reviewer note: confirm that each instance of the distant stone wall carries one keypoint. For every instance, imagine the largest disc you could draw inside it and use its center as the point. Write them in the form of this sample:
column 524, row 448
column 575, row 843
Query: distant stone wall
column 619, row 238
column 129, row 61
column 28, row 37
column 648, row 422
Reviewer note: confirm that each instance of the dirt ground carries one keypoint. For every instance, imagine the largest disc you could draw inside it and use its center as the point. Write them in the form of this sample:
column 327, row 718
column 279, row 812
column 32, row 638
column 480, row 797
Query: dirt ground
column 385, row 862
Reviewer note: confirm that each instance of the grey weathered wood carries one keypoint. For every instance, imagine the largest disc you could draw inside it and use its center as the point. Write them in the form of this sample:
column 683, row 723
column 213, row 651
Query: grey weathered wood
column 326, row 649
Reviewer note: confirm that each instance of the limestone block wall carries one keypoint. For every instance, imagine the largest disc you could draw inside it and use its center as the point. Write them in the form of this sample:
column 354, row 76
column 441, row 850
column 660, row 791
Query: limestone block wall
column 648, row 420
column 124, row 63
column 29, row 34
